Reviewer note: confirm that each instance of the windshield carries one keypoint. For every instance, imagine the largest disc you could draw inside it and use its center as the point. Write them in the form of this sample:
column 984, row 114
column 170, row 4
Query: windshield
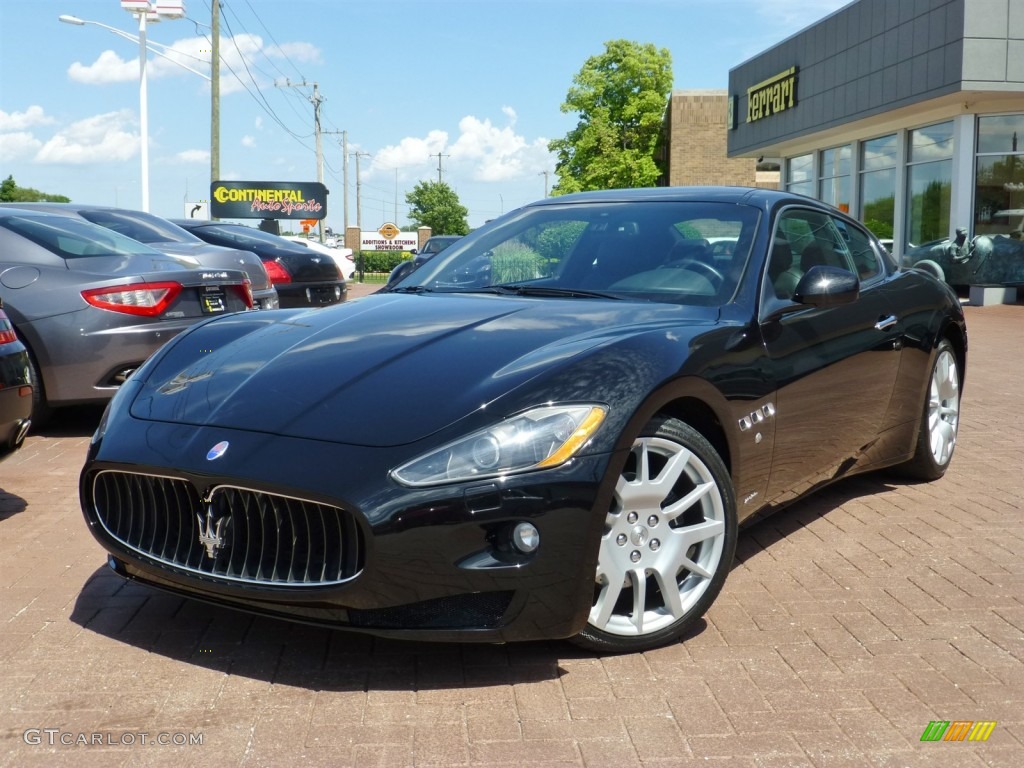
column 144, row 227
column 682, row 252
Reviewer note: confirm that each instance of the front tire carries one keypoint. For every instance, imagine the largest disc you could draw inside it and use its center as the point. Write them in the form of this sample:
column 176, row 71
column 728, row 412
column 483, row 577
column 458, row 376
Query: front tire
column 940, row 420
column 668, row 544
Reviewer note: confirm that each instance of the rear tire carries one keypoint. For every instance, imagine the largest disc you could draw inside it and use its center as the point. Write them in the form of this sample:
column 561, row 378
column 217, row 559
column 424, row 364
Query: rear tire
column 940, row 419
column 41, row 410
column 669, row 541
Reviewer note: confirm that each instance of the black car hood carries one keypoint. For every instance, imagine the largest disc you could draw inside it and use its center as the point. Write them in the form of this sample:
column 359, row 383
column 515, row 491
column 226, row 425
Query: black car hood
column 380, row 371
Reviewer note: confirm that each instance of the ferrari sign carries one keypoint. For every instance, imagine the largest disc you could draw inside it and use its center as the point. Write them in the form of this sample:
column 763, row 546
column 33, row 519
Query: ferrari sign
column 268, row 200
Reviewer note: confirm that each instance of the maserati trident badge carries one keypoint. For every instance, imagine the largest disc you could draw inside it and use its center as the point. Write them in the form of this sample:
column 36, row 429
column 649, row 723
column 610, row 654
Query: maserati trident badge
column 212, row 533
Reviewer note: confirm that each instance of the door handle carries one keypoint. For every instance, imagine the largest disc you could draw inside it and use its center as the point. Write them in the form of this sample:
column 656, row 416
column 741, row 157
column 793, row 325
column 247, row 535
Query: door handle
column 886, row 323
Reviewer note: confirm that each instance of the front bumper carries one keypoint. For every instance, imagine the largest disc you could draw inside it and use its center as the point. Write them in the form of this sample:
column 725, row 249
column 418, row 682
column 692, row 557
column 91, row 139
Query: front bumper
column 432, row 564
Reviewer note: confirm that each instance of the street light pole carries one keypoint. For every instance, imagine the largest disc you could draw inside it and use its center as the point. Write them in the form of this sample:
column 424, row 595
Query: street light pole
column 144, row 10
column 143, row 111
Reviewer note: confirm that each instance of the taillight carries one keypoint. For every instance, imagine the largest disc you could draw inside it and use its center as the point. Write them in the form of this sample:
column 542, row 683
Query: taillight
column 145, row 299
column 276, row 272
column 245, row 291
column 7, row 334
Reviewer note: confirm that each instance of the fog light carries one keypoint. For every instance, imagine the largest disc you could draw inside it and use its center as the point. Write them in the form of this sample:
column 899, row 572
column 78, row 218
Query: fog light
column 525, row 538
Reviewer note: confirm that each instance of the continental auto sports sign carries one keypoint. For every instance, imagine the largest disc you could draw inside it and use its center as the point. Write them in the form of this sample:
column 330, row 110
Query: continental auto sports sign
column 268, row 200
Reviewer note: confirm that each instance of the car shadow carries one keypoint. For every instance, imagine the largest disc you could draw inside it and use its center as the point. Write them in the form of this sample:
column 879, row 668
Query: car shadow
column 72, row 421
column 290, row 653
column 10, row 505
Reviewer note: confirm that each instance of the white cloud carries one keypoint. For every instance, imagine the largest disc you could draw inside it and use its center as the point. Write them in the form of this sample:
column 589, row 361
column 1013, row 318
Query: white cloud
column 108, row 68
column 193, row 156
column 249, row 141
column 410, row 152
column 18, row 146
column 103, row 138
column 301, row 52
column 498, row 154
column 482, row 151
column 17, row 121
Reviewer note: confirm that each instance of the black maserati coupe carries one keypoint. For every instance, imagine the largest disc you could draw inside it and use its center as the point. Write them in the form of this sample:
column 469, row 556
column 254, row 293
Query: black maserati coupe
column 560, row 421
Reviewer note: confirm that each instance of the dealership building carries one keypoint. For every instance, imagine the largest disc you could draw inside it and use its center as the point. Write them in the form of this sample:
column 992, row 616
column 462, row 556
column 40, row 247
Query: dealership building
column 908, row 114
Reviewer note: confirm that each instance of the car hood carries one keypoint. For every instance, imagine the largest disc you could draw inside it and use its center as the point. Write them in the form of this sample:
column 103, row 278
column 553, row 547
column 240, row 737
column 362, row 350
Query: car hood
column 384, row 370
column 211, row 256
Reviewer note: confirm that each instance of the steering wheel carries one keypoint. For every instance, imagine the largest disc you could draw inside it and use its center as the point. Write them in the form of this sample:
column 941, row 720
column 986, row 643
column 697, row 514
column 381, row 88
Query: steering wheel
column 716, row 278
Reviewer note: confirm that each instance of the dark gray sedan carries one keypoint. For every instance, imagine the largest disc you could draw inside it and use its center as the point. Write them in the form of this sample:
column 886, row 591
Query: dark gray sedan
column 91, row 305
column 169, row 238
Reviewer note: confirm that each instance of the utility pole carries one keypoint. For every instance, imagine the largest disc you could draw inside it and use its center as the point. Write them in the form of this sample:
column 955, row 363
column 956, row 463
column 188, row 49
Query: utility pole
column 344, row 163
column 215, row 94
column 316, row 100
column 439, row 156
column 359, row 196
column 545, row 175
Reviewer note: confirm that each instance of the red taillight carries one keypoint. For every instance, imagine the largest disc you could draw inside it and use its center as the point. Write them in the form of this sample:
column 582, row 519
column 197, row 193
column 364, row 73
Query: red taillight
column 7, row 334
column 145, row 299
column 245, row 291
column 276, row 272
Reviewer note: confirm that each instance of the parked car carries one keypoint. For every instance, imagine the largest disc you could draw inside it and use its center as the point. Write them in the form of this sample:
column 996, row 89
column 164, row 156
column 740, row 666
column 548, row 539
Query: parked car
column 302, row 278
column 91, row 305
column 169, row 238
column 583, row 442
column 342, row 256
column 983, row 260
column 431, row 248
column 15, row 388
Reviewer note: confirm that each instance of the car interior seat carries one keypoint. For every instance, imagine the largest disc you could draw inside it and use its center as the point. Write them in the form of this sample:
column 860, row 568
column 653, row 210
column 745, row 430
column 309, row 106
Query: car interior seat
column 781, row 270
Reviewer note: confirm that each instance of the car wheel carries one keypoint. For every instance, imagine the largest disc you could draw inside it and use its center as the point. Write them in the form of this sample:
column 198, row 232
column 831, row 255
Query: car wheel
column 668, row 543
column 940, row 420
column 41, row 410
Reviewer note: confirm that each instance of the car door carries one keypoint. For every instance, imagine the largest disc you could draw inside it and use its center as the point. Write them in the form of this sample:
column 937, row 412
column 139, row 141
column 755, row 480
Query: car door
column 834, row 367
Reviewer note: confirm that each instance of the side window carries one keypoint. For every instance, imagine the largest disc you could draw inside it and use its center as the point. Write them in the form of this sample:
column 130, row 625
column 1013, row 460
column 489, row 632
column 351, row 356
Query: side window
column 866, row 264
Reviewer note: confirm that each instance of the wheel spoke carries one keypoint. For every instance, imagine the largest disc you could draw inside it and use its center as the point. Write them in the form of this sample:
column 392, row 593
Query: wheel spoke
column 670, row 592
column 638, row 580
column 695, row 496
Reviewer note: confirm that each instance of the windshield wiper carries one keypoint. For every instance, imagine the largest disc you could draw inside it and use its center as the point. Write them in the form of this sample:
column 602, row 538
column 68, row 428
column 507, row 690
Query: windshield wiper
column 546, row 290
column 411, row 289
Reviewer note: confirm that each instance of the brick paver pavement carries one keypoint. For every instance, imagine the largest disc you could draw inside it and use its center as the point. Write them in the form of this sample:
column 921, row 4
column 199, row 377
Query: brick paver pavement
column 850, row 621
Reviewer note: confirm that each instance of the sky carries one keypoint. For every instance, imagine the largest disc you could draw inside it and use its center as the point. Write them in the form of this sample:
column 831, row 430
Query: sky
column 479, row 83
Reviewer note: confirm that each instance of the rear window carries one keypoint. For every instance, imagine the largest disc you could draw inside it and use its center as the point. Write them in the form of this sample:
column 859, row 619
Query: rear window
column 72, row 239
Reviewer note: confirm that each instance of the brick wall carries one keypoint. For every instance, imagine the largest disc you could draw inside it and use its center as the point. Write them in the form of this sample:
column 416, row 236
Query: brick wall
column 697, row 143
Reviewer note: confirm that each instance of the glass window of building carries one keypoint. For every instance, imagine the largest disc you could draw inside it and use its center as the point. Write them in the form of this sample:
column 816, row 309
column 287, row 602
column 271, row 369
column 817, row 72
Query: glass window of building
column 834, row 185
column 929, row 183
column 878, row 185
column 800, row 175
column 999, row 191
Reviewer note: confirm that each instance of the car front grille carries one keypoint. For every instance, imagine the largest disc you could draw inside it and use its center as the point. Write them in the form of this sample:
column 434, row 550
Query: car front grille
column 229, row 533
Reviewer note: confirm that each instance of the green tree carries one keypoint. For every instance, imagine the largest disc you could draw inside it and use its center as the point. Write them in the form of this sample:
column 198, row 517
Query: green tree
column 620, row 96
column 10, row 192
column 434, row 204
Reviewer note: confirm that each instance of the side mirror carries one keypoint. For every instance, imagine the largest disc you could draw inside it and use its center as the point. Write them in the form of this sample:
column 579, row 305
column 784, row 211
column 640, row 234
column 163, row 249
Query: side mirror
column 824, row 286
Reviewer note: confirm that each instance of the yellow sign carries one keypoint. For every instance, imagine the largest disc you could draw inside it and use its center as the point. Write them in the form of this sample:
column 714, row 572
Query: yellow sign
column 772, row 95
column 389, row 231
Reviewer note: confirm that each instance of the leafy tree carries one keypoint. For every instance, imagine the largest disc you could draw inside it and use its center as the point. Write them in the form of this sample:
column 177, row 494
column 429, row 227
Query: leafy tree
column 620, row 96
column 434, row 204
column 10, row 192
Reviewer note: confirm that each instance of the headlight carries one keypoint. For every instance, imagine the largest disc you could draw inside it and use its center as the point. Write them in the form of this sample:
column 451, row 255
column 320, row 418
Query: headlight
column 538, row 439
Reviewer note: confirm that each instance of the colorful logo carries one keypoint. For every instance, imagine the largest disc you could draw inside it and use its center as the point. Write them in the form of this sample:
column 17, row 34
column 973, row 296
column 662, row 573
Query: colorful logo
column 958, row 730
column 217, row 451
